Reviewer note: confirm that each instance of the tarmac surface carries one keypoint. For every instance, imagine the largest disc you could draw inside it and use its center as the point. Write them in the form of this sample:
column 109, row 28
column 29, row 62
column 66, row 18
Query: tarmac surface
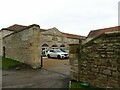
column 54, row 74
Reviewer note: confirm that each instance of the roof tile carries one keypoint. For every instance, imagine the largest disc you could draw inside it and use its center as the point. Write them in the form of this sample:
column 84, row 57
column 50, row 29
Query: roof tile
column 74, row 36
column 95, row 33
column 16, row 27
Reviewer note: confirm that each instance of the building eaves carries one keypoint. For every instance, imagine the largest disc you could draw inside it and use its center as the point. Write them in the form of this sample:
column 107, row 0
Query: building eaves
column 16, row 27
column 19, row 30
column 43, row 30
column 95, row 33
column 73, row 36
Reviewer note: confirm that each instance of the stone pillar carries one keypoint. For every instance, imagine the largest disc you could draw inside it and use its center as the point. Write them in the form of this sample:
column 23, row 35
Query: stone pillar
column 74, row 58
column 35, row 41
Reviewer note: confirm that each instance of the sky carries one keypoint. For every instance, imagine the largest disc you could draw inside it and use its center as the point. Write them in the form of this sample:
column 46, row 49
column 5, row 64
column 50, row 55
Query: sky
column 69, row 16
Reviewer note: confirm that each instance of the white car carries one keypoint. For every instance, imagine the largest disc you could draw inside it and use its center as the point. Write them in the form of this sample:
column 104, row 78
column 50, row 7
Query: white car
column 57, row 53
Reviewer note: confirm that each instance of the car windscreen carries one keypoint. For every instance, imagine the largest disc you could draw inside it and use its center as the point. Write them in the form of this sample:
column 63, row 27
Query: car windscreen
column 58, row 50
column 64, row 50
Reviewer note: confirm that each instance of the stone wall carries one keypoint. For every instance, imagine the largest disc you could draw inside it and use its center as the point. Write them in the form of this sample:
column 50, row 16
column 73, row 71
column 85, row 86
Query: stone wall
column 1, row 47
column 72, row 41
column 99, row 61
column 53, row 37
column 74, row 61
column 24, row 46
column 2, row 34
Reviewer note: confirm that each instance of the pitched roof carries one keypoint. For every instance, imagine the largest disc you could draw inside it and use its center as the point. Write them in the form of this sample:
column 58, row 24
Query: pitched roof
column 74, row 36
column 66, row 34
column 16, row 27
column 42, row 30
column 95, row 33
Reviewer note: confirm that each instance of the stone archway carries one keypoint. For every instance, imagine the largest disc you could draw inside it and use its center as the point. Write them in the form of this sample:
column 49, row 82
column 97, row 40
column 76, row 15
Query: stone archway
column 62, row 46
column 45, row 49
column 54, row 46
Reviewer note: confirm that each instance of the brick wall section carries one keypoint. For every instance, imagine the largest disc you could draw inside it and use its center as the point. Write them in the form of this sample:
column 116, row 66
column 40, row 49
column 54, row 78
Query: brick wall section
column 99, row 63
column 24, row 46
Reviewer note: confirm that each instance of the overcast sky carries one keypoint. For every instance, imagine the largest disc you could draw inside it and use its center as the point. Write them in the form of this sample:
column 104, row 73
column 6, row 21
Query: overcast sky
column 70, row 16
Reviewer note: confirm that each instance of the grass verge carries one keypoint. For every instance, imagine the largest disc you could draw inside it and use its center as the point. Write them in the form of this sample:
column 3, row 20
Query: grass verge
column 77, row 86
column 8, row 63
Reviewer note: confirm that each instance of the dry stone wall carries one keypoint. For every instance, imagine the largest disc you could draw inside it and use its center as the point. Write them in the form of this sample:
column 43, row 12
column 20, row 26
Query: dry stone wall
column 99, row 61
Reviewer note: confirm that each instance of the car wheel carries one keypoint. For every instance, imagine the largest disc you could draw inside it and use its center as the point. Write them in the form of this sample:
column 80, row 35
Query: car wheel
column 58, row 56
column 48, row 56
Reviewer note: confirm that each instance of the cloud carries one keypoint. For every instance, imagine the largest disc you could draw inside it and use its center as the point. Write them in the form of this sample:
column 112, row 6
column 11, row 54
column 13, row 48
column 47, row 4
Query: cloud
column 71, row 16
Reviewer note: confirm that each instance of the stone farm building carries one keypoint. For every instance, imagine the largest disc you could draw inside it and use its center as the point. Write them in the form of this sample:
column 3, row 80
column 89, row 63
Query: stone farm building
column 25, row 43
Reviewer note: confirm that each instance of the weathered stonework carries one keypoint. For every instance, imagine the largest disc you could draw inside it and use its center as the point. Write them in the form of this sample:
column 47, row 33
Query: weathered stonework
column 54, row 37
column 27, row 43
column 99, row 61
column 74, row 58
column 3, row 33
column 24, row 46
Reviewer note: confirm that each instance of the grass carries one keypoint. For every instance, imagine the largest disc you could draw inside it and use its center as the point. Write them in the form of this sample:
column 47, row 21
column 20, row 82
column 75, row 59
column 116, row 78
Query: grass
column 75, row 85
column 8, row 63
column 0, row 64
column 79, row 87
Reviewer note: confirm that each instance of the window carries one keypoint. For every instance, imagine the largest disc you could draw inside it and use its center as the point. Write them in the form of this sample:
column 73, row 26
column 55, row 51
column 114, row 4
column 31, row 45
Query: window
column 54, row 38
column 54, row 45
column 44, row 45
column 51, row 50
column 62, row 45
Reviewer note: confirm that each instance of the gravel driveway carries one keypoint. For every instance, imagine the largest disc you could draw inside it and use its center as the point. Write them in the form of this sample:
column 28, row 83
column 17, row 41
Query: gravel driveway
column 54, row 74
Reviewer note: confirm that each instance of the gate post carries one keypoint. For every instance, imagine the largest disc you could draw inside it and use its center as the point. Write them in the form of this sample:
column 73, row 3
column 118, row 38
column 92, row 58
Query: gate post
column 41, row 61
column 74, row 61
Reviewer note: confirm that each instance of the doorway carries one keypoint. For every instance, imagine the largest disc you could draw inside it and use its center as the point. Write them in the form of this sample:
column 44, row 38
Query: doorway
column 4, row 51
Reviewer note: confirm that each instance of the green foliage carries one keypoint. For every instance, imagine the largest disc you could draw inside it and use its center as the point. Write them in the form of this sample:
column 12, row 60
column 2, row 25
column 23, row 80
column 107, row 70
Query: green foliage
column 78, row 85
column 75, row 85
column 0, row 62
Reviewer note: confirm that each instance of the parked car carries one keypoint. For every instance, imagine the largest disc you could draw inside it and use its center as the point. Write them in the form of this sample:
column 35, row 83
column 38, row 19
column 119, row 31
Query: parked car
column 57, row 53
column 65, row 50
column 44, row 53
